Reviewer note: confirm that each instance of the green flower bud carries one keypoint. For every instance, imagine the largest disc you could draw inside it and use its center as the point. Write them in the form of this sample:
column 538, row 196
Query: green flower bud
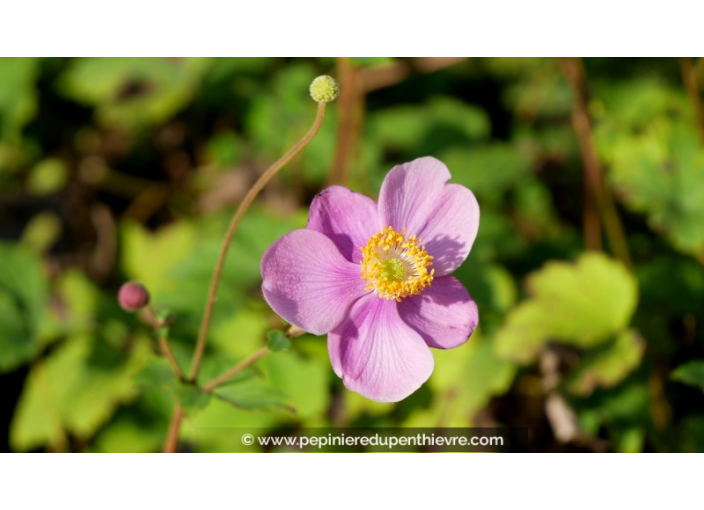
column 324, row 89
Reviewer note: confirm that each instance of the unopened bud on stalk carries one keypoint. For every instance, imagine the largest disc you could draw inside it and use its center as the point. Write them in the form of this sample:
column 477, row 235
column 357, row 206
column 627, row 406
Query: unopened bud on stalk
column 324, row 89
column 132, row 296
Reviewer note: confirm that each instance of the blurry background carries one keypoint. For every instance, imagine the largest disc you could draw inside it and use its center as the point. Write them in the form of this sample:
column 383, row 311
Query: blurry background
column 588, row 268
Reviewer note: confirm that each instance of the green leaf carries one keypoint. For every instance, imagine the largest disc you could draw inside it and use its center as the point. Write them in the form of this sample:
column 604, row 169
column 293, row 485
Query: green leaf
column 581, row 304
column 23, row 292
column 488, row 170
column 16, row 346
column 41, row 232
column 278, row 341
column 691, row 373
column 149, row 257
column 76, row 389
column 133, row 92
column 252, row 395
column 648, row 138
column 18, row 95
column 464, row 381
column 370, row 61
column 304, row 380
column 191, row 398
column 609, row 365
column 48, row 176
column 157, row 373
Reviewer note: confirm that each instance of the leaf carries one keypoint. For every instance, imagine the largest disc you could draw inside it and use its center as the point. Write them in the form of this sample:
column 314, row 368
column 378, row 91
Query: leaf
column 191, row 398
column 41, row 232
column 440, row 123
column 691, row 373
column 370, row 61
column 581, row 304
column 304, row 380
column 48, row 176
column 16, row 346
column 278, row 341
column 647, row 136
column 157, row 373
column 252, row 395
column 76, row 389
column 23, row 292
column 464, row 381
column 608, row 366
column 149, row 257
column 133, row 92
column 18, row 95
column 488, row 170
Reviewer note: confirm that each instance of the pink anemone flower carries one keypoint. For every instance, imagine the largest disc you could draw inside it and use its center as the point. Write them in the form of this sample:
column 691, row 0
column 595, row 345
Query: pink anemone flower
column 376, row 277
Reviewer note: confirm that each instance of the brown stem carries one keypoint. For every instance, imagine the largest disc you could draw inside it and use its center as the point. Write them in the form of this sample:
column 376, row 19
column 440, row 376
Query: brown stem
column 350, row 94
column 150, row 317
column 598, row 198
column 574, row 72
column 166, row 351
column 692, row 83
column 171, row 442
column 236, row 369
column 241, row 210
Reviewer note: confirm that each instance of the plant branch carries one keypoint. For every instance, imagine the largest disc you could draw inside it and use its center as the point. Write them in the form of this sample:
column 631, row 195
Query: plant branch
column 692, row 83
column 166, row 351
column 598, row 198
column 241, row 210
column 159, row 325
column 574, row 72
column 236, row 369
column 171, row 442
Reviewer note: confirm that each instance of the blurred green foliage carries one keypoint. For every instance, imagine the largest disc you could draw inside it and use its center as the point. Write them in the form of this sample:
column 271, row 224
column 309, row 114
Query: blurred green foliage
column 129, row 169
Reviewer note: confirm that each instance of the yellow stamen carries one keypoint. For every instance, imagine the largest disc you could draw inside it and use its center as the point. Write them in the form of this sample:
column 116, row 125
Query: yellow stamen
column 394, row 266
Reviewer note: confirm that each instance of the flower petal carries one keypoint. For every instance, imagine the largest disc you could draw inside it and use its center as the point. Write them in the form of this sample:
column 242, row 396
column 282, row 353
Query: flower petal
column 346, row 217
column 377, row 354
column 410, row 192
column 308, row 282
column 416, row 196
column 445, row 315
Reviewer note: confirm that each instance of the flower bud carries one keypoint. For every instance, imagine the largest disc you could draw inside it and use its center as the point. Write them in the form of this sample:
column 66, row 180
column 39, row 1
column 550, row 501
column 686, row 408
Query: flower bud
column 324, row 89
column 132, row 296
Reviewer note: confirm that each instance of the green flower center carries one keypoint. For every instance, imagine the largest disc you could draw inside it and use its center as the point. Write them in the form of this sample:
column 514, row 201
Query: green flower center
column 393, row 270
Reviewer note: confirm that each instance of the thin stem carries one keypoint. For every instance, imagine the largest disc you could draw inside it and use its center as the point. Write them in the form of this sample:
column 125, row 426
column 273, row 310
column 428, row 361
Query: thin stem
column 241, row 210
column 150, row 317
column 598, row 199
column 692, row 83
column 574, row 72
column 350, row 95
column 171, row 442
column 166, row 351
column 236, row 369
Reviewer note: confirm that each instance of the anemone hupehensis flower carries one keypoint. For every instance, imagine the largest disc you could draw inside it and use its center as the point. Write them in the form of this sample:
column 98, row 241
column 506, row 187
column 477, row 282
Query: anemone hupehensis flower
column 376, row 277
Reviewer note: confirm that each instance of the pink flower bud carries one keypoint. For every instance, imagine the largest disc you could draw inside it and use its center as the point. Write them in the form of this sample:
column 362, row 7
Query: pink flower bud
column 132, row 296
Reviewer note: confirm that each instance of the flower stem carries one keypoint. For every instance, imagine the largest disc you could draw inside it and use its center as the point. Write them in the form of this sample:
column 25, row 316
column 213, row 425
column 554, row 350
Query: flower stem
column 159, row 325
column 241, row 210
column 162, row 336
column 236, row 369
column 171, row 442
column 166, row 351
